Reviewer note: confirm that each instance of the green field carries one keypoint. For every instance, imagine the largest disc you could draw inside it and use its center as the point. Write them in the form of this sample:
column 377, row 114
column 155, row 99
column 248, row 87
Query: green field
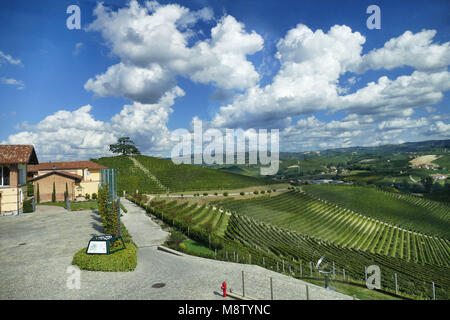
column 406, row 211
column 443, row 162
column 184, row 177
column 307, row 215
column 205, row 217
column 129, row 177
column 177, row 178
column 413, row 278
column 416, row 264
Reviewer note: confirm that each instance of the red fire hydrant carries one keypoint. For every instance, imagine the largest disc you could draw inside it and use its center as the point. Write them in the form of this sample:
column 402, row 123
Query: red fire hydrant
column 224, row 289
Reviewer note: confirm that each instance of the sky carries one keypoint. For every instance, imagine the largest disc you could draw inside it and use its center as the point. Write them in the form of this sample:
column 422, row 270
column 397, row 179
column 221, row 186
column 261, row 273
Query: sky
column 143, row 69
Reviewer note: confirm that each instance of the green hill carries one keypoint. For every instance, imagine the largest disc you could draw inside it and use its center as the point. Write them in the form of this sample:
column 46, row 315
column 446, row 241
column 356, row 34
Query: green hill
column 407, row 211
column 177, row 178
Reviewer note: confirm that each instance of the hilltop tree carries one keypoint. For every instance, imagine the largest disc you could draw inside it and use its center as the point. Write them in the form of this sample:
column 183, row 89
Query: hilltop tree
column 124, row 146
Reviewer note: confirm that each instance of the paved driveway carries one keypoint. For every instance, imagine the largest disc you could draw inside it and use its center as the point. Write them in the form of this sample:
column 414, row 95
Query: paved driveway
column 37, row 248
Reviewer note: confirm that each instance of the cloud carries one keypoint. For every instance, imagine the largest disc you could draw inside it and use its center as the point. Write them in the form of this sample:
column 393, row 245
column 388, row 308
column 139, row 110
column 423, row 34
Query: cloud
column 146, row 85
column 147, row 123
column 311, row 133
column 7, row 58
column 312, row 63
column 13, row 82
column 409, row 49
column 78, row 135
column 78, row 47
column 398, row 97
column 152, row 44
column 67, row 134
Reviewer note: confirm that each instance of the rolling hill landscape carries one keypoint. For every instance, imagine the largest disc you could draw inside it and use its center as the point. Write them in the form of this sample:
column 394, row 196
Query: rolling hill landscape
column 364, row 214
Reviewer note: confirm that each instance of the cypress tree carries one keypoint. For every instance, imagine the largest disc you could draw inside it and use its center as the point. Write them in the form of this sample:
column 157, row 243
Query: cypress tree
column 54, row 193
column 38, row 195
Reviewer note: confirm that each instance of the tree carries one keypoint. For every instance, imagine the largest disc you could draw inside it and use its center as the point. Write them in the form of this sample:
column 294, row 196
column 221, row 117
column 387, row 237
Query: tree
column 54, row 193
column 38, row 196
column 124, row 146
column 66, row 193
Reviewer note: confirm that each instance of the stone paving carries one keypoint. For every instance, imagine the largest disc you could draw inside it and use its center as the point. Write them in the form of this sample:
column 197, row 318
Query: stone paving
column 37, row 248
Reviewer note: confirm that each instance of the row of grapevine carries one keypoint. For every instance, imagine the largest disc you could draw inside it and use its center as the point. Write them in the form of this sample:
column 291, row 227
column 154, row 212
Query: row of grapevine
column 406, row 211
column 290, row 245
column 303, row 213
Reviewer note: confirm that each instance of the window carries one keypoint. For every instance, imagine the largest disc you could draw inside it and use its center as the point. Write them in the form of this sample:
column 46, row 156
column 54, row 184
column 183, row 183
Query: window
column 22, row 175
column 4, row 177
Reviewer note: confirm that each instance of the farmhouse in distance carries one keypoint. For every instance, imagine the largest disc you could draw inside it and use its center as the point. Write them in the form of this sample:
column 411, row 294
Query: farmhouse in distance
column 77, row 178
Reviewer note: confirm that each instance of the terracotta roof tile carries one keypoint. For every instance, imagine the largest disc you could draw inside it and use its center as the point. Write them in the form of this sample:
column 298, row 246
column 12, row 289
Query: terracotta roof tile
column 17, row 153
column 65, row 166
column 61, row 173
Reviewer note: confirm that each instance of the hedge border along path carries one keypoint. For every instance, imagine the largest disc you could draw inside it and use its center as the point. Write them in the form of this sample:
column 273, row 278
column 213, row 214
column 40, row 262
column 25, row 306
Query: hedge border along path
column 308, row 215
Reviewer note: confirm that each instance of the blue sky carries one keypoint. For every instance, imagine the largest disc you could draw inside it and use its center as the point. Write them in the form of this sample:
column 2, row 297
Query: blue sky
column 48, row 72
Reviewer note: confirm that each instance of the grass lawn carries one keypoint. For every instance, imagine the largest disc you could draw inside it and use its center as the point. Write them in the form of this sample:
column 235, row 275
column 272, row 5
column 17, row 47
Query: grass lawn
column 355, row 291
column 74, row 206
column 194, row 246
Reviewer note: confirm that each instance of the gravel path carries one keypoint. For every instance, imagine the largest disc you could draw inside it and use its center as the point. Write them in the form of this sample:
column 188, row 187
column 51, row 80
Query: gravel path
column 38, row 268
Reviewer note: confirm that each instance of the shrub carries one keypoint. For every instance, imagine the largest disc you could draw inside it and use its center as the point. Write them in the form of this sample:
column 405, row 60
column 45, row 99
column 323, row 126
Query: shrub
column 242, row 193
column 94, row 196
column 175, row 238
column 123, row 260
column 225, row 194
column 262, row 192
column 87, row 196
column 269, row 191
column 205, row 194
column 255, row 192
column 215, row 193
column 27, row 206
column 30, row 190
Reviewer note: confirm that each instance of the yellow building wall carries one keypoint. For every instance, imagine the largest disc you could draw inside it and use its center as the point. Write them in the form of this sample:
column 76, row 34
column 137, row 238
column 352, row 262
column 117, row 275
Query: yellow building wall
column 89, row 184
column 11, row 200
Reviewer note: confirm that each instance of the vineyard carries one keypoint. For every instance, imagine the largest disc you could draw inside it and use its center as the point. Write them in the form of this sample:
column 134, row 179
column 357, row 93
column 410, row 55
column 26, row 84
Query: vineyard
column 413, row 278
column 244, row 239
column 193, row 215
column 129, row 177
column 177, row 178
column 310, row 216
column 406, row 211
column 185, row 177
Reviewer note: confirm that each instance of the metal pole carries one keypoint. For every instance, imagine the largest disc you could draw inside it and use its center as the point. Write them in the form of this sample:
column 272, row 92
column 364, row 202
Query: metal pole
column 334, row 271
column 434, row 291
column 283, row 265
column 307, row 292
column 277, row 267
column 301, row 271
column 249, row 258
column 271, row 289
column 243, row 284
column 343, row 273
column 396, row 287
column 310, row 267
column 263, row 262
